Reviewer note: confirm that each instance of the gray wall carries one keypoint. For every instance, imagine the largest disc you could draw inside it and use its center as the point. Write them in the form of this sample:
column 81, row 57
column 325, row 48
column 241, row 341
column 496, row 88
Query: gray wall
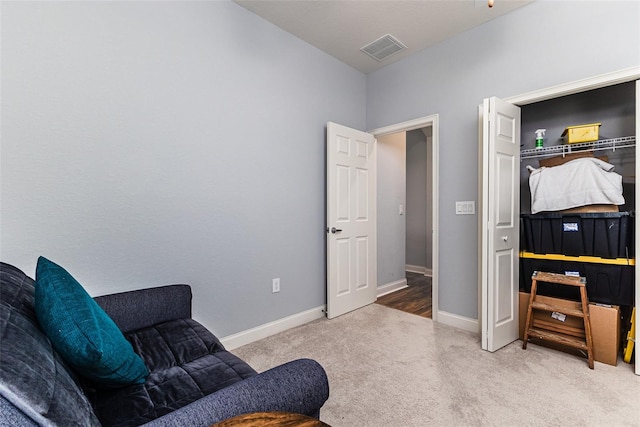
column 418, row 252
column 157, row 142
column 532, row 48
column 391, row 194
column 146, row 143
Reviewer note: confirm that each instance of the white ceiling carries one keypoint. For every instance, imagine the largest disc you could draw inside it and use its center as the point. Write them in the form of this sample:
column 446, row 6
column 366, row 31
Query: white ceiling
column 342, row 27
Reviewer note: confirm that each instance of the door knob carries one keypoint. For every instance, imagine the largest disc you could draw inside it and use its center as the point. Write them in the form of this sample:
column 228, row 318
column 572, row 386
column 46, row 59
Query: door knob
column 505, row 238
column 335, row 230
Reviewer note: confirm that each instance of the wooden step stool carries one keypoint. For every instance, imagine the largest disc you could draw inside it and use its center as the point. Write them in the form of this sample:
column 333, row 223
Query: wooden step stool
column 557, row 333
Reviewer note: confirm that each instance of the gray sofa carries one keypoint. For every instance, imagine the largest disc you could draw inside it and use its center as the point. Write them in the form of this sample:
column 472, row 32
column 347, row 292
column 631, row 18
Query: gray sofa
column 193, row 380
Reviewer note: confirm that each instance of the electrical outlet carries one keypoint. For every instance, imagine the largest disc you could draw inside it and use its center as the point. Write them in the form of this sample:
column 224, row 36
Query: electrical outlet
column 275, row 285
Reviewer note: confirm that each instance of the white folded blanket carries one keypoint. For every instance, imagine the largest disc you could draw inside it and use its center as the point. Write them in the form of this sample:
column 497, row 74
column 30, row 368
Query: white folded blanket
column 580, row 182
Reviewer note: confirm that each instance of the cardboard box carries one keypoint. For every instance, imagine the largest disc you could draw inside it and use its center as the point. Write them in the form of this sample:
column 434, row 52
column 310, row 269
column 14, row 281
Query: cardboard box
column 605, row 330
column 567, row 157
column 582, row 133
column 605, row 325
column 592, row 208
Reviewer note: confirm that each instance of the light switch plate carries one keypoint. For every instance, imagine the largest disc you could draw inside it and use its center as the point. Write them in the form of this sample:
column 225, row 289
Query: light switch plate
column 466, row 208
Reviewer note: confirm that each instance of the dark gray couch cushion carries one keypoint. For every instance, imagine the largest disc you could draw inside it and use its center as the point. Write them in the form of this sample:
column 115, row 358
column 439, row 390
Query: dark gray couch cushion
column 32, row 376
column 186, row 362
column 141, row 308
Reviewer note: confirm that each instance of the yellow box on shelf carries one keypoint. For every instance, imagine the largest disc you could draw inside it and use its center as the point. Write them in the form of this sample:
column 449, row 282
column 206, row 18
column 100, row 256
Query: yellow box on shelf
column 582, row 133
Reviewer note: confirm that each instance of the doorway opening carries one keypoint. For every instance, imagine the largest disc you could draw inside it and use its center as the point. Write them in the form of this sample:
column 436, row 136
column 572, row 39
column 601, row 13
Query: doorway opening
column 408, row 263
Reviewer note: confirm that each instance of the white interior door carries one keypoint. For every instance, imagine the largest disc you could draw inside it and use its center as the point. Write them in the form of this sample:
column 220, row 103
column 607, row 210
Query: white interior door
column 499, row 222
column 351, row 219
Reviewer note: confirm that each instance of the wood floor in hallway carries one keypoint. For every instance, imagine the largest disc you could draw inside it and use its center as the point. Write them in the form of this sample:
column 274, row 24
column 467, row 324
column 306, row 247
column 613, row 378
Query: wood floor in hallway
column 414, row 299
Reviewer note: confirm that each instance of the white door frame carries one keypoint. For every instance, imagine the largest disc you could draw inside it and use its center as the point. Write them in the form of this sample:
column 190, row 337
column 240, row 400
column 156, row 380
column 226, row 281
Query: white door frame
column 422, row 122
column 583, row 85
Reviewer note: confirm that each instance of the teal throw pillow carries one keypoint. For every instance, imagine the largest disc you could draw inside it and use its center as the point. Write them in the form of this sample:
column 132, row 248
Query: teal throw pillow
column 81, row 332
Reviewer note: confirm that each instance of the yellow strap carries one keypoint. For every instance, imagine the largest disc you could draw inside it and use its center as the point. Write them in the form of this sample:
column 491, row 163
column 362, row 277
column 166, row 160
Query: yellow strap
column 591, row 259
column 628, row 351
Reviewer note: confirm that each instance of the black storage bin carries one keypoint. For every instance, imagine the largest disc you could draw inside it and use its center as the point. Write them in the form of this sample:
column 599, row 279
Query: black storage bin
column 606, row 283
column 597, row 234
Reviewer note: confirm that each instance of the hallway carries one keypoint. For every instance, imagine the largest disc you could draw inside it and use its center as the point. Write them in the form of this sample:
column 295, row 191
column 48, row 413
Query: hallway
column 414, row 299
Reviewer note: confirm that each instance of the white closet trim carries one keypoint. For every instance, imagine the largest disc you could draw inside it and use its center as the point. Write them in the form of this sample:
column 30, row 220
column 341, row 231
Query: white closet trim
column 596, row 82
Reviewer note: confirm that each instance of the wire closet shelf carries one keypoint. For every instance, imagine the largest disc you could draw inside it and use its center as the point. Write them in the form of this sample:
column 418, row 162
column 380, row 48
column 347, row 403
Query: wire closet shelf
column 604, row 144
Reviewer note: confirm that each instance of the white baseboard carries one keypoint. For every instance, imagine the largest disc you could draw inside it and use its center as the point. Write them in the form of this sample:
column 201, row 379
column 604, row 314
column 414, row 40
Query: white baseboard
column 418, row 269
column 415, row 268
column 391, row 287
column 459, row 322
column 259, row 332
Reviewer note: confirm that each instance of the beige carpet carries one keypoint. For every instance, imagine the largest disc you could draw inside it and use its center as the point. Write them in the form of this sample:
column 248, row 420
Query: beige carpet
column 389, row 368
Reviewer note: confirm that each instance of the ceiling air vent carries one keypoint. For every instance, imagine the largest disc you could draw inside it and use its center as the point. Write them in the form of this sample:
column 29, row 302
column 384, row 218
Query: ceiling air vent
column 383, row 48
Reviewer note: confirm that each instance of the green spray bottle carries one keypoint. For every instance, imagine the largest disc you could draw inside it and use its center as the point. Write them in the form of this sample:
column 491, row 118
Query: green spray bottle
column 540, row 138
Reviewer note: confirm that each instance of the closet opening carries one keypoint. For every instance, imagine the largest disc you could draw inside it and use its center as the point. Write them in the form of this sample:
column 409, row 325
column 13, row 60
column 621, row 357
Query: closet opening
column 612, row 98
column 583, row 202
